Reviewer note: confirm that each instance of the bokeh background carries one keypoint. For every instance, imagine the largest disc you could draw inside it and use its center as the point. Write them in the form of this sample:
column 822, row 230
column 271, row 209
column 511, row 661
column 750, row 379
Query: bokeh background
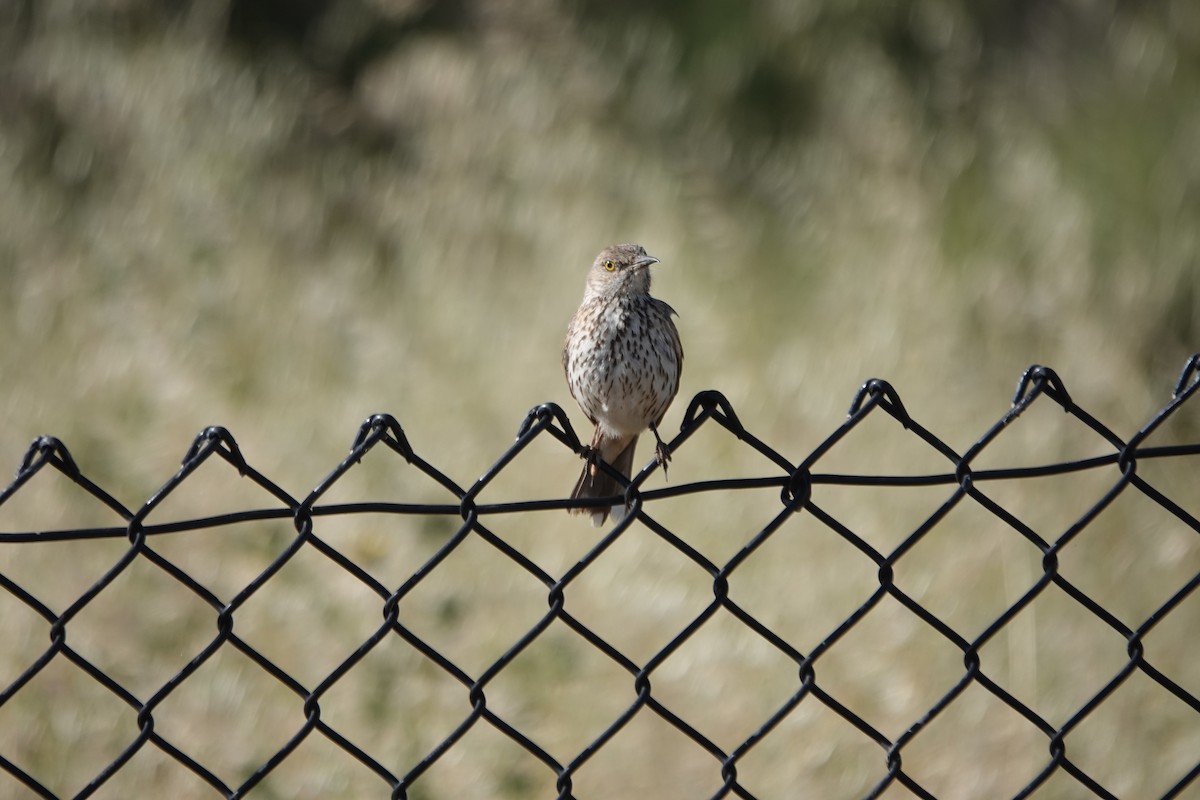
column 281, row 217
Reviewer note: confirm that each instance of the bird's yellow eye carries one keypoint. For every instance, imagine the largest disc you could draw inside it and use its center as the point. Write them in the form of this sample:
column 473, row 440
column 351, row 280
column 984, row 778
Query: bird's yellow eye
column 609, row 265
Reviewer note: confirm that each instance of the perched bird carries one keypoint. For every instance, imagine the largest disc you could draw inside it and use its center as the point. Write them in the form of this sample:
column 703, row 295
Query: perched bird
column 622, row 358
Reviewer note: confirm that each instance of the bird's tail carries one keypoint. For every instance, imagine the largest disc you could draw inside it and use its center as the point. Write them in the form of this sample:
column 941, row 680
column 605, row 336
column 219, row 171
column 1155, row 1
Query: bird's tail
column 595, row 482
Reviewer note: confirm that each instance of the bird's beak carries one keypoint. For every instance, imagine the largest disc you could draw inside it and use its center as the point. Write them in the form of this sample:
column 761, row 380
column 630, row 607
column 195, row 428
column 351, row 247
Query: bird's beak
column 644, row 262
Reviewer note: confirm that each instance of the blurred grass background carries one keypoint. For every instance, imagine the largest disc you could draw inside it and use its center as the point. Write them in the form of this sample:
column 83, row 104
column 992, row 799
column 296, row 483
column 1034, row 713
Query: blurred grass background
column 283, row 216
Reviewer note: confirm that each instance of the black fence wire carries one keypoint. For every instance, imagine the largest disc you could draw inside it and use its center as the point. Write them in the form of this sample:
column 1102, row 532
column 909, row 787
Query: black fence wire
column 138, row 722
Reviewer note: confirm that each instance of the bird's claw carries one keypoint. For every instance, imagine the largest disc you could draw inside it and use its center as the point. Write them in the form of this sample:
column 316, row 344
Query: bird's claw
column 662, row 454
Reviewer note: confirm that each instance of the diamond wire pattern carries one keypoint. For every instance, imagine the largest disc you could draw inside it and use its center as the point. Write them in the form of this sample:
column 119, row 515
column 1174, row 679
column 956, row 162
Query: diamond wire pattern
column 799, row 493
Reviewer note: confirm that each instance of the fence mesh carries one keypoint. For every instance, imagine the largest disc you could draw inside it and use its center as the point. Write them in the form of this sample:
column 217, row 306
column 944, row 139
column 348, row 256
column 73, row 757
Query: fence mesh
column 134, row 707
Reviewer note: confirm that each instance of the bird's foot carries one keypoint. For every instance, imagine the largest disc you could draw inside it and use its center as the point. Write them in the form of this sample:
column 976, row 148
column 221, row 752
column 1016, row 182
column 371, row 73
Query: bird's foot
column 662, row 453
column 591, row 458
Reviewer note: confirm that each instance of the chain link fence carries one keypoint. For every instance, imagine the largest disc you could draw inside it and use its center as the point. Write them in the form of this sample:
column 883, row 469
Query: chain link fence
column 795, row 694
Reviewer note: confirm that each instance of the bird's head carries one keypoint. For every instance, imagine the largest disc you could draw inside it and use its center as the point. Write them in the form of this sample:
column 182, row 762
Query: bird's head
column 623, row 269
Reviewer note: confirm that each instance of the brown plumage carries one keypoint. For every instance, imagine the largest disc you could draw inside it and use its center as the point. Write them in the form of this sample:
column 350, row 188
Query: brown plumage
column 622, row 358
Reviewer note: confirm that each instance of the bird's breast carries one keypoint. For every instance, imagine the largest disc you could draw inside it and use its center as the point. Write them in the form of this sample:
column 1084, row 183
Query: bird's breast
column 623, row 365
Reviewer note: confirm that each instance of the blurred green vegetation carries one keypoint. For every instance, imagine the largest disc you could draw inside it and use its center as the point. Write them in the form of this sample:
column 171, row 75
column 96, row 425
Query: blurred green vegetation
column 284, row 216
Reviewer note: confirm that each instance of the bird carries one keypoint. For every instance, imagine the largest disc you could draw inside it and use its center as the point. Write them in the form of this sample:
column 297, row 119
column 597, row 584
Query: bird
column 622, row 358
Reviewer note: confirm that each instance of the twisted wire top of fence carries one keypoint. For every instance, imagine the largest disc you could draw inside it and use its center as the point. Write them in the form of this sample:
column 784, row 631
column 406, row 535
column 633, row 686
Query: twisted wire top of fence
column 811, row 706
